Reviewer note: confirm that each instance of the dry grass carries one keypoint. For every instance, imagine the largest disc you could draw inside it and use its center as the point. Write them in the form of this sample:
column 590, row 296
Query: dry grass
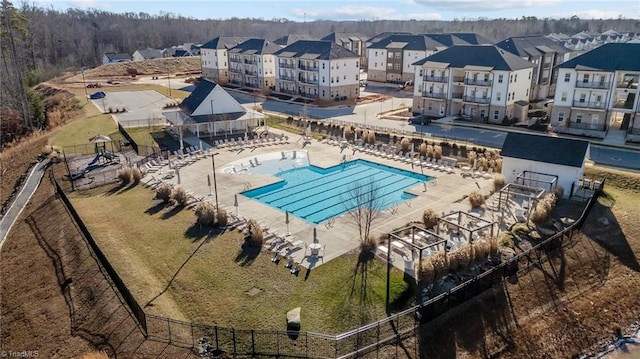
column 332, row 298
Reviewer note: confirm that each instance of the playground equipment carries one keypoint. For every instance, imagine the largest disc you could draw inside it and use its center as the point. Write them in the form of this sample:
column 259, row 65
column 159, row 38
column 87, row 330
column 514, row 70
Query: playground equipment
column 100, row 149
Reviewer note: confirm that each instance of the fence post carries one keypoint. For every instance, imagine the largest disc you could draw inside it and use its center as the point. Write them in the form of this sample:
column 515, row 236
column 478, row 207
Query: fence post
column 169, row 329
column 215, row 330
column 253, row 343
column 193, row 342
column 233, row 336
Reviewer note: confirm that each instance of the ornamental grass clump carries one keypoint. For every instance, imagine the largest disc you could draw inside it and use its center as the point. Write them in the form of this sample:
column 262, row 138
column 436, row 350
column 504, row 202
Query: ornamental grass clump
column 205, row 213
column 430, row 218
column 180, row 196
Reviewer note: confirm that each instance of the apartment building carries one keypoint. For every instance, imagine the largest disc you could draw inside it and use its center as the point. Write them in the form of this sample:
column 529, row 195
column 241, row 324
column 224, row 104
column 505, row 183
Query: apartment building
column 351, row 41
column 253, row 64
column 316, row 69
column 390, row 59
column 545, row 54
column 215, row 60
column 598, row 92
column 481, row 82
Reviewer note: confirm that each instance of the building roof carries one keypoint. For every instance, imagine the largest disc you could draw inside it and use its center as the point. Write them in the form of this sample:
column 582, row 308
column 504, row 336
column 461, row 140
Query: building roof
column 255, row 47
column 207, row 91
column 287, row 40
column 547, row 149
column 223, row 42
column 117, row 56
column 608, row 57
column 344, row 37
column 181, row 53
column 408, row 42
column 383, row 35
column 149, row 54
column 488, row 56
column 316, row 50
column 531, row 46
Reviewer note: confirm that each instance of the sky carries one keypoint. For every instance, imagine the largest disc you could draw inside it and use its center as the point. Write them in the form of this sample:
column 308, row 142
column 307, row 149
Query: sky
column 309, row 10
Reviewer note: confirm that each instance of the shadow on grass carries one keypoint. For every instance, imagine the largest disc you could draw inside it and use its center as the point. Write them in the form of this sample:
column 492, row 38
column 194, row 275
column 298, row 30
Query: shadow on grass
column 197, row 232
column 157, row 208
column 120, row 188
column 172, row 212
column 602, row 227
column 247, row 254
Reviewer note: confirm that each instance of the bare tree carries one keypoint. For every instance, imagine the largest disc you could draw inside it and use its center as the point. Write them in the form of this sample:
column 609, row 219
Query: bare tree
column 364, row 204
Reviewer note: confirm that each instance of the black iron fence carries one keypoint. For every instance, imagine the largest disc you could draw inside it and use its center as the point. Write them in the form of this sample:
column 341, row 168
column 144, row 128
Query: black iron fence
column 351, row 344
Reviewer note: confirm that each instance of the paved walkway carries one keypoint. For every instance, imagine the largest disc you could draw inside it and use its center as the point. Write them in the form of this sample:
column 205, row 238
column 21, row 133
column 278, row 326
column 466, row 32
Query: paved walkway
column 29, row 187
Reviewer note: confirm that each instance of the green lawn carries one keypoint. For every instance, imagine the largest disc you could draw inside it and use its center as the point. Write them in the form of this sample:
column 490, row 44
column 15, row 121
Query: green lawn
column 80, row 131
column 148, row 242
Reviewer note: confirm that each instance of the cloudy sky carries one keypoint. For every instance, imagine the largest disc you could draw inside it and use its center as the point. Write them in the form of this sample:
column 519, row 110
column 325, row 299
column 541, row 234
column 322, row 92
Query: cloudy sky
column 301, row 10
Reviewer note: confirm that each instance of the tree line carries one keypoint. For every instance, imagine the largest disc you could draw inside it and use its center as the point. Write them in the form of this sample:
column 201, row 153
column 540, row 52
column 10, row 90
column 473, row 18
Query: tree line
column 39, row 43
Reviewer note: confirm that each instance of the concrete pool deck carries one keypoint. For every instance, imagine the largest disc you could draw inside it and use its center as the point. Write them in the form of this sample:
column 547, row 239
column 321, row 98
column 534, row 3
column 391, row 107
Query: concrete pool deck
column 443, row 194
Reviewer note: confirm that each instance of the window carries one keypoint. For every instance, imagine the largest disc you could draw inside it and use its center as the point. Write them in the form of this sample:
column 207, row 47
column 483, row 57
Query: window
column 331, row 79
column 397, row 55
column 567, row 77
column 496, row 114
column 529, row 75
column 357, row 77
column 390, row 55
column 508, row 96
column 500, row 78
column 510, row 78
column 560, row 116
column 396, row 66
column 323, row 65
column 375, row 64
column 527, row 94
column 337, row 79
column 420, row 72
column 482, row 113
column 376, row 53
column 599, row 98
column 322, row 79
column 579, row 118
column 430, row 107
column 515, row 78
column 583, row 97
column 389, row 66
column 585, row 78
column 322, row 93
column 345, row 77
column 564, row 97
column 498, row 96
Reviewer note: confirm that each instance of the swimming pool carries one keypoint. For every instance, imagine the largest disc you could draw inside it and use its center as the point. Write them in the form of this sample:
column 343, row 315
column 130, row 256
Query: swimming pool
column 316, row 194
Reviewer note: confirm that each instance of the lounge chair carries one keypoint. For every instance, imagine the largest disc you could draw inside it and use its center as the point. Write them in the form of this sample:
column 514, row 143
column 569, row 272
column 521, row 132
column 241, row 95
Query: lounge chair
column 251, row 163
column 256, row 161
column 284, row 155
column 295, row 269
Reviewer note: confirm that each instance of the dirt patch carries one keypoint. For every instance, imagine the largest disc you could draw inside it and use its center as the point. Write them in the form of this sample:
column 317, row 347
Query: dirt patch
column 72, row 307
column 254, row 291
column 372, row 98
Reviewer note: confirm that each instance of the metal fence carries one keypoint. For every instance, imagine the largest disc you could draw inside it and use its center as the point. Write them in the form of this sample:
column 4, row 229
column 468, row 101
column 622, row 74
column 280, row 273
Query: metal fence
column 354, row 343
column 136, row 309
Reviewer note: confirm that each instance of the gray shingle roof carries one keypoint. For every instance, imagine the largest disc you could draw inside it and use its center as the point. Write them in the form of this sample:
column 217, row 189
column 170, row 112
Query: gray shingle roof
column 287, row 40
column 117, row 56
column 199, row 94
column 608, row 57
column 531, row 46
column 316, row 49
column 344, row 36
column 478, row 55
column 223, row 42
column 547, row 149
column 413, row 42
column 255, row 46
column 149, row 54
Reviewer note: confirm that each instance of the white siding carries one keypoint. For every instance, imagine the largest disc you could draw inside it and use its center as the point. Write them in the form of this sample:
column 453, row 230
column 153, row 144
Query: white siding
column 411, row 56
column 512, row 167
column 520, row 86
column 344, row 71
column 377, row 59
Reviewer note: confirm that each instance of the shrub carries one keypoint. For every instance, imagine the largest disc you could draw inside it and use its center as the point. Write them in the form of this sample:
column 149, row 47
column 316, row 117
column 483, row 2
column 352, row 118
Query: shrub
column 348, row 133
column 426, row 272
column 492, row 247
column 359, row 132
column 454, row 260
column 258, row 108
column 476, row 199
column 471, row 156
column 559, row 192
column 254, row 233
column 368, row 244
column 430, row 218
column 124, row 175
column 95, row 355
column 539, row 215
column 110, row 109
column 498, row 165
column 480, row 250
column 423, row 149
column 221, row 218
column 506, row 240
column 404, row 144
column 440, row 265
column 205, row 213
column 372, row 137
column 136, row 175
column 180, row 196
column 498, row 182
column 483, row 162
column 437, row 152
column 164, row 192
column 430, row 151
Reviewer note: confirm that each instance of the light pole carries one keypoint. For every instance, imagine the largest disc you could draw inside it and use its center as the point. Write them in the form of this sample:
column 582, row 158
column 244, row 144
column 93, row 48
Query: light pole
column 86, row 95
column 169, row 79
column 215, row 183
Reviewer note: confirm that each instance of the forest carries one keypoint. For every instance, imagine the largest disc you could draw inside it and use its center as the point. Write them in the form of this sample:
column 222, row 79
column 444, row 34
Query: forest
column 41, row 43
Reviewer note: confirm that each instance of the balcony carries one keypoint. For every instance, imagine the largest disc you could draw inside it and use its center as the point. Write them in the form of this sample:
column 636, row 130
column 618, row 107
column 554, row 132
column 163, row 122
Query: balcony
column 588, row 126
column 287, row 65
column 458, row 79
column 289, row 91
column 595, row 105
column 473, row 82
column 250, row 61
column 250, row 73
column 456, row 95
column 632, row 85
column 304, row 67
column 236, row 70
column 236, row 60
column 311, row 81
column 593, row 85
column 286, row 77
column 624, row 104
column 437, row 95
column 441, row 79
column 481, row 100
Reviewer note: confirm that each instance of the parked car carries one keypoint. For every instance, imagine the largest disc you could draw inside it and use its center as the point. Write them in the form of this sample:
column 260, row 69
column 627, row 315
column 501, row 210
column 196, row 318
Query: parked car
column 421, row 119
column 97, row 95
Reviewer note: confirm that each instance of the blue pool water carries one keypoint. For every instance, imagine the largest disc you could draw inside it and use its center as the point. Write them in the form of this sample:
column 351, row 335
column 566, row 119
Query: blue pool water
column 316, row 194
